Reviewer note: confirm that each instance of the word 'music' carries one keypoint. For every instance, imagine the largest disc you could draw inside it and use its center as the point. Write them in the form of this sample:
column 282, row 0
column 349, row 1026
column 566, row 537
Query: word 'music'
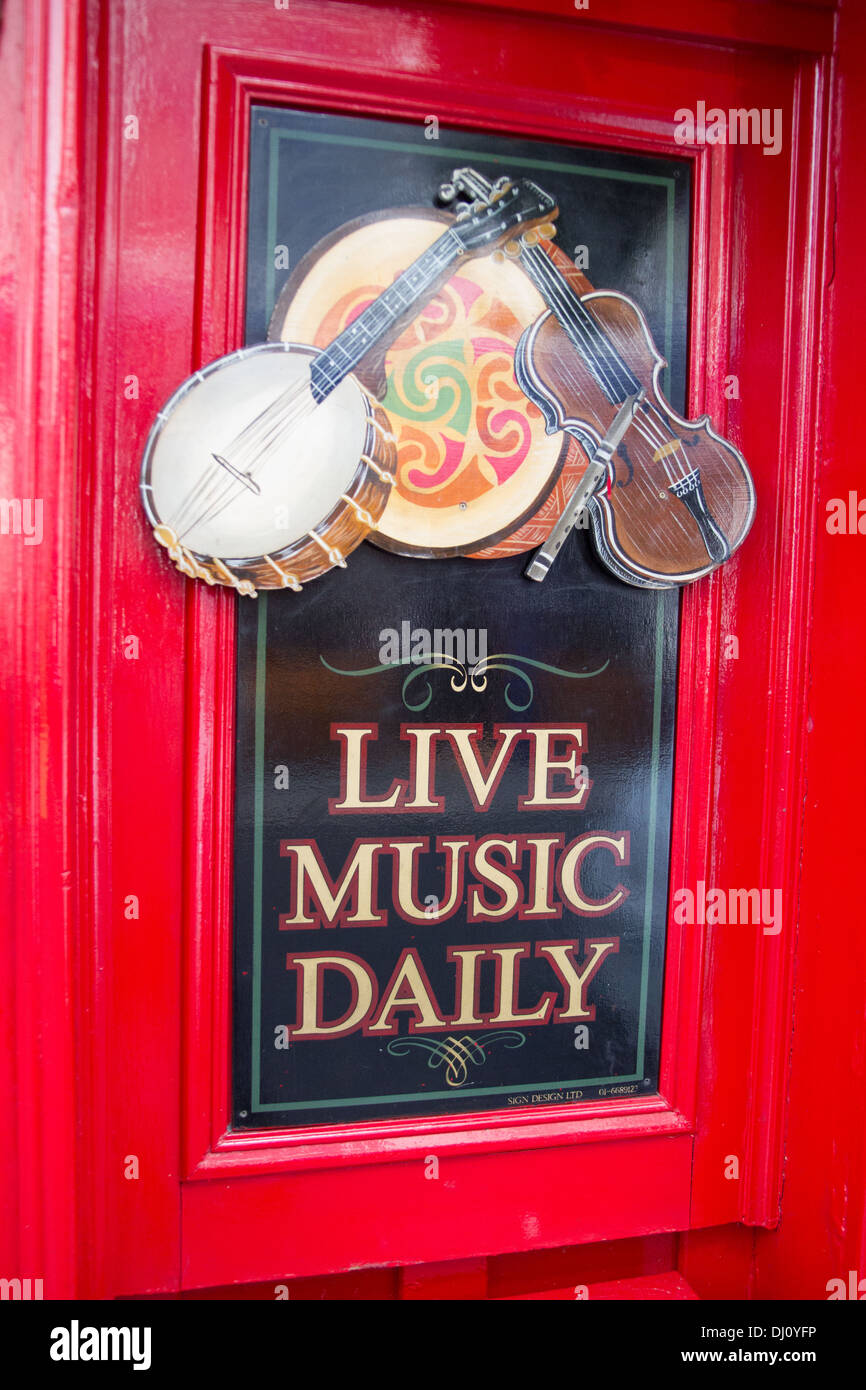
column 531, row 876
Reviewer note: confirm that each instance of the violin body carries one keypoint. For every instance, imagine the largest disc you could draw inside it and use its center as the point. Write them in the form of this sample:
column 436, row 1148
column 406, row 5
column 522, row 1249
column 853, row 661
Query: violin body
column 680, row 499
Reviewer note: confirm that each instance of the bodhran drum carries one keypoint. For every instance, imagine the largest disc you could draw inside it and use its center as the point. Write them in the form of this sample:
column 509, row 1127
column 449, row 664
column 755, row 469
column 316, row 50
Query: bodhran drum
column 298, row 490
column 474, row 464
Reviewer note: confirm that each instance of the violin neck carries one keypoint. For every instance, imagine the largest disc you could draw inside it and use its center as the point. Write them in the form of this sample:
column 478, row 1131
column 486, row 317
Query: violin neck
column 345, row 353
column 613, row 376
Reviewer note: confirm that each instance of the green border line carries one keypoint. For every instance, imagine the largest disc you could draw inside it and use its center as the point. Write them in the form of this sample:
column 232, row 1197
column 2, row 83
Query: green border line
column 651, row 827
column 259, row 760
column 435, row 150
column 256, row 1104
column 436, row 1095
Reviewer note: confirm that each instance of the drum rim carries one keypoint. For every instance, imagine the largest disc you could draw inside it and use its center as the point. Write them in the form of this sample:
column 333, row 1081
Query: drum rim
column 330, row 239
column 430, row 552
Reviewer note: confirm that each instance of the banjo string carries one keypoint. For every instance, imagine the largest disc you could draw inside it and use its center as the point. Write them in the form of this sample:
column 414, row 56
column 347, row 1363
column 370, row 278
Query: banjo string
column 207, row 484
column 212, row 486
column 222, row 492
column 265, row 435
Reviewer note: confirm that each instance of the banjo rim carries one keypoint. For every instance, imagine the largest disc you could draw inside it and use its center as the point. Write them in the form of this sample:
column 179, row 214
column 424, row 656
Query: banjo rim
column 251, row 565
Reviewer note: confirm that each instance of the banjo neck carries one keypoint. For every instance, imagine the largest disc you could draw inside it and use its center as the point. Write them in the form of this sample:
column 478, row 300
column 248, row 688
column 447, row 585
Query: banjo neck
column 475, row 231
column 347, row 350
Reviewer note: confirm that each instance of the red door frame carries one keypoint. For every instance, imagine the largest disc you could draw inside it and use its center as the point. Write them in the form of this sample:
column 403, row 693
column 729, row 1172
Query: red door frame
column 138, row 1067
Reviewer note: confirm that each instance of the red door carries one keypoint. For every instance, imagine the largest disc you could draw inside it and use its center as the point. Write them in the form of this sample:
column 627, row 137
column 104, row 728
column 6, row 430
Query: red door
column 129, row 150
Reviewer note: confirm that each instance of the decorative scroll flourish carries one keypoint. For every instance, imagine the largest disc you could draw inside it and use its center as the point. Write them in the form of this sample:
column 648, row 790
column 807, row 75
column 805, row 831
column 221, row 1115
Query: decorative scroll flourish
column 456, row 1055
column 476, row 677
column 505, row 661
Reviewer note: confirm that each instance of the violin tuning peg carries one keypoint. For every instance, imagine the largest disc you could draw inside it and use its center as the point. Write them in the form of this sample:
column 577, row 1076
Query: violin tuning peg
column 531, row 238
column 512, row 249
column 546, row 230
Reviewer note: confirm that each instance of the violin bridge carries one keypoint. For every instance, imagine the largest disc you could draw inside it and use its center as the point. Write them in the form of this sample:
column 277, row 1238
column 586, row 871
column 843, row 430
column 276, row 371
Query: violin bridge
column 669, row 448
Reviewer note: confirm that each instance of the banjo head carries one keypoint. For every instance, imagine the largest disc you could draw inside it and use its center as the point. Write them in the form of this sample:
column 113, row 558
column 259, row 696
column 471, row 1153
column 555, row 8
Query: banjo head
column 474, row 462
column 242, row 465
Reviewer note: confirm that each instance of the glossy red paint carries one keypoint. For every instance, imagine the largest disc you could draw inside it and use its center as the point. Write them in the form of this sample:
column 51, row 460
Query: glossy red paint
column 126, row 261
column 645, row 1288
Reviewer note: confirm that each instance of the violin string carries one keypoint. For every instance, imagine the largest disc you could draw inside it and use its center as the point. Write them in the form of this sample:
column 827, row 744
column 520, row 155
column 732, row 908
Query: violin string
column 564, row 302
column 641, row 478
column 657, row 431
column 614, row 383
column 590, row 334
column 265, row 432
column 615, row 374
column 610, row 371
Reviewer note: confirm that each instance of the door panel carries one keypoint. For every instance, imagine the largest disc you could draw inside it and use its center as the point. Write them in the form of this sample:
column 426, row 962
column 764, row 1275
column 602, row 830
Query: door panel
column 167, row 91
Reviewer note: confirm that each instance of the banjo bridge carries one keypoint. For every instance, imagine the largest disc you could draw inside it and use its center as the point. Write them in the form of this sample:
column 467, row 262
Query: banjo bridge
column 240, row 477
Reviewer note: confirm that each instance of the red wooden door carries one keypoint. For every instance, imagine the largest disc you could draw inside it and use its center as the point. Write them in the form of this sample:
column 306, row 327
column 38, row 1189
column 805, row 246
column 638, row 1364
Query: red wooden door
column 138, row 180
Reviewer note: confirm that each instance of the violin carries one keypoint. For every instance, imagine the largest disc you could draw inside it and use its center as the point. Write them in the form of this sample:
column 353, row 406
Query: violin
column 675, row 499
column 270, row 465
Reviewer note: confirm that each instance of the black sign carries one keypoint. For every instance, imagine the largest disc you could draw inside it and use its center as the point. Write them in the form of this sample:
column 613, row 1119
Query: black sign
column 453, row 784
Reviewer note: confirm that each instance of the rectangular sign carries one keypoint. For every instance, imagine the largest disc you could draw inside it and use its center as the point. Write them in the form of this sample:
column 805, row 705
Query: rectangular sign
column 453, row 784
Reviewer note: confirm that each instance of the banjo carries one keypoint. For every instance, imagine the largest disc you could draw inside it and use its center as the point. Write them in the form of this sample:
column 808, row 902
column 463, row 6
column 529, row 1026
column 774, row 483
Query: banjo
column 269, row 466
